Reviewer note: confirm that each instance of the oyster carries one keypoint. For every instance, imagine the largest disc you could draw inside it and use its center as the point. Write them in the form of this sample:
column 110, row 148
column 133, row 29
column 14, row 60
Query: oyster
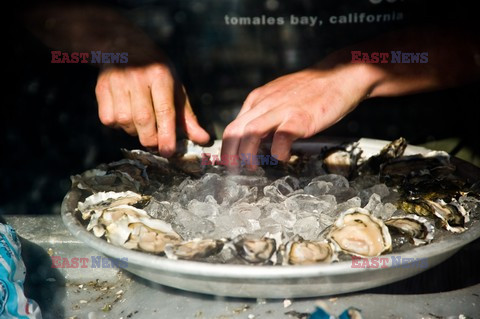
column 416, row 169
column 418, row 229
column 342, row 160
column 102, row 200
column 113, row 216
column 194, row 249
column 133, row 228
column 304, row 252
column 188, row 163
column 359, row 233
column 256, row 251
column 149, row 240
column 390, row 151
column 452, row 216
column 104, row 179
column 146, row 158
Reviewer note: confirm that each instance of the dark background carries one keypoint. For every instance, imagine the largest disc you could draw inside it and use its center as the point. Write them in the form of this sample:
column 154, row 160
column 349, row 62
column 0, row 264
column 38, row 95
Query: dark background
column 50, row 125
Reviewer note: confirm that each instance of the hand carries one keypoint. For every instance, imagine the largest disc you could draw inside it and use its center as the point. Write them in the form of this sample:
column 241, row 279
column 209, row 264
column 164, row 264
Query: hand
column 295, row 106
column 147, row 101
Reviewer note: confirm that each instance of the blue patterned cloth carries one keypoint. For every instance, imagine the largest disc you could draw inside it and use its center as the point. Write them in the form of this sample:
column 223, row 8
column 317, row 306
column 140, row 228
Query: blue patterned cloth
column 350, row 313
column 13, row 303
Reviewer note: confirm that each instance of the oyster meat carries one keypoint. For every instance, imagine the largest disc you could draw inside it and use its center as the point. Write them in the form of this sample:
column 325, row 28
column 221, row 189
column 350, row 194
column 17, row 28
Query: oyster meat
column 342, row 160
column 102, row 200
column 359, row 233
column 452, row 216
column 113, row 216
column 194, row 249
column 305, row 252
column 418, row 229
column 256, row 251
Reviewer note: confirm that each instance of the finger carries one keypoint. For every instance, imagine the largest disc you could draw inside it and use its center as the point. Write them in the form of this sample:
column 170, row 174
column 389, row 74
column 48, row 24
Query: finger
column 189, row 121
column 255, row 131
column 143, row 114
column 282, row 142
column 163, row 104
column 121, row 102
column 235, row 131
column 249, row 101
column 258, row 96
column 104, row 100
column 298, row 124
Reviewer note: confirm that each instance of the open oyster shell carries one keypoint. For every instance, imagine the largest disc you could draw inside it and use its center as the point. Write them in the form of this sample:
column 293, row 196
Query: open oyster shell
column 418, row 229
column 452, row 216
column 258, row 251
column 194, row 249
column 357, row 232
column 305, row 252
column 113, row 216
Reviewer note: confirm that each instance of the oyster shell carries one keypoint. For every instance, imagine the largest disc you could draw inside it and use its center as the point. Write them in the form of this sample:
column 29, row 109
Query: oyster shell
column 452, row 216
column 415, row 169
column 256, row 251
column 342, row 160
column 305, row 252
column 391, row 151
column 359, row 233
column 111, row 215
column 149, row 240
column 419, row 230
column 133, row 228
column 146, row 158
column 194, row 249
column 102, row 200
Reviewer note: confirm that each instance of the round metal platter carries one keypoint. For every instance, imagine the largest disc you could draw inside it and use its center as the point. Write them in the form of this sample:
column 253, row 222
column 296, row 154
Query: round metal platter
column 282, row 281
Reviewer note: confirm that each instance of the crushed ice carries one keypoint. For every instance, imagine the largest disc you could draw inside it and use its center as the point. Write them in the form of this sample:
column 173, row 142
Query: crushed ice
column 224, row 206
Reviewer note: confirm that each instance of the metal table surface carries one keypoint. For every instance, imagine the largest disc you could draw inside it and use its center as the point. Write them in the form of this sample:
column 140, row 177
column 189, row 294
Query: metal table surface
column 449, row 290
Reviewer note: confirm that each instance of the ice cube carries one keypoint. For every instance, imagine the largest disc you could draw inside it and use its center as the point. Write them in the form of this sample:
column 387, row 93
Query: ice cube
column 302, row 202
column 189, row 225
column 307, row 227
column 258, row 181
column 387, row 211
column 252, row 225
column 202, row 209
column 351, row 203
column 326, row 204
column 343, row 194
column 283, row 217
column 365, row 181
column 234, row 232
column 269, row 228
column 245, row 211
column 378, row 209
column 379, row 189
column 373, row 202
column 287, row 184
column 318, row 188
column 273, row 194
column 337, row 181
column 162, row 210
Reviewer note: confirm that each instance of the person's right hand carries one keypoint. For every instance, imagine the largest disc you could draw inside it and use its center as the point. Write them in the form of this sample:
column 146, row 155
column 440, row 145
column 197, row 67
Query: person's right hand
column 147, row 101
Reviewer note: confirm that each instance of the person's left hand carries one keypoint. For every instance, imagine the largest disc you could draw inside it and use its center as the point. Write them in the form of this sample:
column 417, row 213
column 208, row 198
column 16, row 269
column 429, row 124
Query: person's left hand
column 295, row 106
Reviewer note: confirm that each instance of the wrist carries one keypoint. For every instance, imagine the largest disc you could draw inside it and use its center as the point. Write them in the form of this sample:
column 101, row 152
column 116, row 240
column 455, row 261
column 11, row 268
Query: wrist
column 364, row 78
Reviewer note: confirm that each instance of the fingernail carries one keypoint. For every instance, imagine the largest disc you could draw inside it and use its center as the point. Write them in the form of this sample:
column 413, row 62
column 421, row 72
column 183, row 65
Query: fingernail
column 165, row 151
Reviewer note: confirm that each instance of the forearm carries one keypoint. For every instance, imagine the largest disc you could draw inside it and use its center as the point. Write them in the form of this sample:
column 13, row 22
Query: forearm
column 453, row 59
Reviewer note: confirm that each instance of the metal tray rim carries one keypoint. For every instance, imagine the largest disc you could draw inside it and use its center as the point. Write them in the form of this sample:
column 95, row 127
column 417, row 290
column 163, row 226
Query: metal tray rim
column 194, row 268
